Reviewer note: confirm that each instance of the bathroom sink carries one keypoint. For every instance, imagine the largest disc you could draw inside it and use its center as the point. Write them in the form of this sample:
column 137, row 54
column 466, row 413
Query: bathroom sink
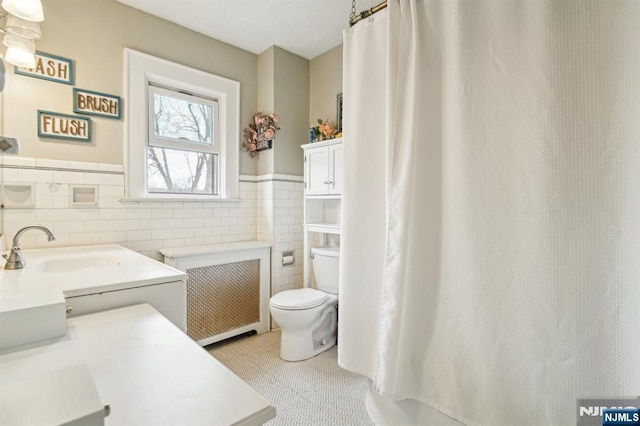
column 76, row 264
column 34, row 297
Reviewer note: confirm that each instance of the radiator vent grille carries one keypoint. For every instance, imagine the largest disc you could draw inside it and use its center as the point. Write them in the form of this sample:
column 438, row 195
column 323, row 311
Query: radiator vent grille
column 223, row 297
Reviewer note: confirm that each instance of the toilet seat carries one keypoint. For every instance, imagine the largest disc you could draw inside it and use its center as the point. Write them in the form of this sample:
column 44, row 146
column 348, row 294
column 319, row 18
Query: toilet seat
column 299, row 299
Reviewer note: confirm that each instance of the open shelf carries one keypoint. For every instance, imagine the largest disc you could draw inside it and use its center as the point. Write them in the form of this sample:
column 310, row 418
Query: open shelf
column 329, row 228
column 322, row 210
column 324, row 197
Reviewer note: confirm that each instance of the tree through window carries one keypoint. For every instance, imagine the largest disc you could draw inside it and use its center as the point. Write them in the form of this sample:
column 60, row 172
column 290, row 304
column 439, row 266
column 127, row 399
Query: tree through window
column 182, row 151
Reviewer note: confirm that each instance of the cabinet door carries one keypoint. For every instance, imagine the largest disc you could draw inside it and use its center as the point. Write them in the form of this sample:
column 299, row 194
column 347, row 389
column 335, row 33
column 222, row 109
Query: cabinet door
column 168, row 298
column 335, row 169
column 317, row 172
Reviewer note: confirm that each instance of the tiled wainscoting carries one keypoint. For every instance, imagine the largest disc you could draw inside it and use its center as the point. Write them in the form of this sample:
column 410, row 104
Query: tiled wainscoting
column 279, row 221
column 149, row 226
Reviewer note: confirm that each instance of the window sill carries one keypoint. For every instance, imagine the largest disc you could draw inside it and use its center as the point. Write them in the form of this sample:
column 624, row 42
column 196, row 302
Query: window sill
column 194, row 198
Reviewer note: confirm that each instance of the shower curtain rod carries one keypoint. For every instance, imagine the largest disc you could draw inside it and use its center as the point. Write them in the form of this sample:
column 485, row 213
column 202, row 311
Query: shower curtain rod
column 354, row 19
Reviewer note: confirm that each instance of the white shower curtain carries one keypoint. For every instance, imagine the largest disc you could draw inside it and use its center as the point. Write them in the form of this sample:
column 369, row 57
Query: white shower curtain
column 490, row 260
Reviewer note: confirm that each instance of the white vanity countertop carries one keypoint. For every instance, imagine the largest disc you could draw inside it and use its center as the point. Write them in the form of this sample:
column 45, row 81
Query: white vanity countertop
column 148, row 371
column 115, row 268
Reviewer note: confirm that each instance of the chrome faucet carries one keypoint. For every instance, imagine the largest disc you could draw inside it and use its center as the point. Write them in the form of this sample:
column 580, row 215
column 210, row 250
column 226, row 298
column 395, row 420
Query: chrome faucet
column 15, row 260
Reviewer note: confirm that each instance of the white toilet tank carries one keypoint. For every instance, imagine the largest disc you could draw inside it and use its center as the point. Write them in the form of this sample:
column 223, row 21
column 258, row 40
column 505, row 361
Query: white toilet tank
column 325, row 268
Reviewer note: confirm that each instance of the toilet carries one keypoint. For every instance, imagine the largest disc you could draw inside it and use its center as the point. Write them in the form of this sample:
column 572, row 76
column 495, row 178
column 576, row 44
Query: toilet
column 308, row 318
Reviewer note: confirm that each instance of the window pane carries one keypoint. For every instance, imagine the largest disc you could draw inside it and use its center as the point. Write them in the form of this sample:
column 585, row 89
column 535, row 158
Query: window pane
column 182, row 119
column 175, row 171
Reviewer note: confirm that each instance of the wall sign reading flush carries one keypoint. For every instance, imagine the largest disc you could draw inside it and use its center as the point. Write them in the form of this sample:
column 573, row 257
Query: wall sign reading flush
column 62, row 126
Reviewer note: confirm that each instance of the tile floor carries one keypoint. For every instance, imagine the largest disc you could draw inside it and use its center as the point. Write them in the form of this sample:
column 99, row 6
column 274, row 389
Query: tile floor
column 311, row 392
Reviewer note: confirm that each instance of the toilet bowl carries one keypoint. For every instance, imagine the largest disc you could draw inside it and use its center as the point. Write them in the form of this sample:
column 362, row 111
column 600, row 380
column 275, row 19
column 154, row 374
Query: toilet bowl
column 308, row 318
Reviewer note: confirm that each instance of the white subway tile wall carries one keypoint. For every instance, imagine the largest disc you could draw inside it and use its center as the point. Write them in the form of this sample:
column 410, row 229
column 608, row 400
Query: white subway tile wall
column 270, row 210
column 279, row 221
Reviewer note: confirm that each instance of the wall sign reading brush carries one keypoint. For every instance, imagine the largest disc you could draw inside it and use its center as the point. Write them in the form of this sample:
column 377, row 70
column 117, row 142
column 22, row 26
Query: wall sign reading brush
column 96, row 103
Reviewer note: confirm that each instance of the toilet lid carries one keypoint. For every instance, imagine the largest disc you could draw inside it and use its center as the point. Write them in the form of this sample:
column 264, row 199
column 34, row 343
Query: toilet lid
column 303, row 298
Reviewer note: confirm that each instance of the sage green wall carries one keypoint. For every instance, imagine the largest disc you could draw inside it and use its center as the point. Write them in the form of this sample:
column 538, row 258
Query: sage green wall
column 291, row 96
column 283, row 88
column 93, row 34
column 266, row 87
column 325, row 78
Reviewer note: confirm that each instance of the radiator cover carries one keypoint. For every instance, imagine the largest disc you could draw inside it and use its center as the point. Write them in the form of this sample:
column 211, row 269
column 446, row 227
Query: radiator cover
column 227, row 288
column 221, row 298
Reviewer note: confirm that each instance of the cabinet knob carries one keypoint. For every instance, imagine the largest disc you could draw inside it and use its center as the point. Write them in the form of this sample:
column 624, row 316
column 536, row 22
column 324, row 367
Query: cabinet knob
column 326, row 182
column 69, row 310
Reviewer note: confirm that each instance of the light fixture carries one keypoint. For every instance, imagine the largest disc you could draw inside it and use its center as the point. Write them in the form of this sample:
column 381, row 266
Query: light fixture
column 31, row 10
column 20, row 51
column 23, row 28
column 20, row 58
column 22, row 43
column 20, row 30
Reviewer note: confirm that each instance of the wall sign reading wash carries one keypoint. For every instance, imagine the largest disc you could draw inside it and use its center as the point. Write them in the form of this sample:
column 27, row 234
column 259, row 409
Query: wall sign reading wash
column 62, row 126
column 96, row 103
column 50, row 67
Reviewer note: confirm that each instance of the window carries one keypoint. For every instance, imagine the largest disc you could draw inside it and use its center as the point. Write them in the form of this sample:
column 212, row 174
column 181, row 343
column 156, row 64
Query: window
column 182, row 131
column 182, row 154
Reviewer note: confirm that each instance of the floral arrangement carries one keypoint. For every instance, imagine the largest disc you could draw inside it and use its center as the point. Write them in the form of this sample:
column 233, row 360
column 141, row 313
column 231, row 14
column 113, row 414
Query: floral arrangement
column 260, row 132
column 323, row 131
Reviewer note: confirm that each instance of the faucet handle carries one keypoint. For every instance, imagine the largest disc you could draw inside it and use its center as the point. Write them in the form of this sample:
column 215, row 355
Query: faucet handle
column 15, row 260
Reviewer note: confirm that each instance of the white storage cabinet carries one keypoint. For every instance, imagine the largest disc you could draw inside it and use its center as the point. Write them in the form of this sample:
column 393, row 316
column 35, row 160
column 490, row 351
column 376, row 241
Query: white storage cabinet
column 322, row 195
column 323, row 168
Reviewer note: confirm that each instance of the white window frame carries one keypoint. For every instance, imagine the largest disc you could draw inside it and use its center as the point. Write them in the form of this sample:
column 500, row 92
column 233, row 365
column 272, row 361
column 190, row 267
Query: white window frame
column 139, row 70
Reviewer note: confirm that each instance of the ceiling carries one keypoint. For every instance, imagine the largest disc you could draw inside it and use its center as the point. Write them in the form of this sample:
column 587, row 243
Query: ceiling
column 305, row 27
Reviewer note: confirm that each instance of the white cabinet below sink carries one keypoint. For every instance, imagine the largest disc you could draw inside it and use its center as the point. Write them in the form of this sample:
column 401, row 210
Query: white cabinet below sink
column 167, row 298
